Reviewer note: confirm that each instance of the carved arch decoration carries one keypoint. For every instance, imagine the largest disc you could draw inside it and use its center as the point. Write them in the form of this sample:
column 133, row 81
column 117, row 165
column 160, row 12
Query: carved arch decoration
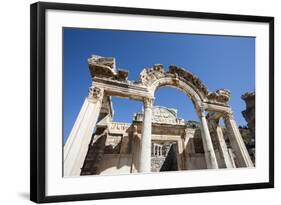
column 184, row 80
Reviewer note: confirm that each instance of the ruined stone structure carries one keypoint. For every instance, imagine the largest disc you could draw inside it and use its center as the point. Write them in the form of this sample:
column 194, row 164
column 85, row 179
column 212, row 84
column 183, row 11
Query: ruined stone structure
column 249, row 115
column 156, row 140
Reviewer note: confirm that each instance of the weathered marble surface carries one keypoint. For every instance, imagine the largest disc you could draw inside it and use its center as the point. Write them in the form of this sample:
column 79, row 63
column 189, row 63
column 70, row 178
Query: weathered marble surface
column 249, row 115
column 154, row 123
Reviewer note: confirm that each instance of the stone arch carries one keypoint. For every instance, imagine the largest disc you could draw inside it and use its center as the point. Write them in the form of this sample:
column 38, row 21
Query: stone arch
column 180, row 85
column 180, row 78
column 175, row 77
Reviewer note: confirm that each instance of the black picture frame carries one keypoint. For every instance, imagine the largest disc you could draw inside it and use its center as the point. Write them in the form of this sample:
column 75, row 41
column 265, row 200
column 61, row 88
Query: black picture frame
column 38, row 103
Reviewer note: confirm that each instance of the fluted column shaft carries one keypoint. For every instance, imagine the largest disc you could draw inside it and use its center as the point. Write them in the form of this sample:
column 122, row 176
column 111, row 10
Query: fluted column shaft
column 242, row 156
column 207, row 142
column 76, row 146
column 145, row 146
column 223, row 148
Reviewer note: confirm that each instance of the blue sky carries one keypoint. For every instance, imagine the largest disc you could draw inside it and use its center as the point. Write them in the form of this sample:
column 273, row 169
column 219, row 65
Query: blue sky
column 219, row 61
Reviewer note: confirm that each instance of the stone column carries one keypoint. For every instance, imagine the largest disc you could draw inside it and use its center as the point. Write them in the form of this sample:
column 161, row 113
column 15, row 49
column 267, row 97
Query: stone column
column 145, row 145
column 135, row 150
column 242, row 156
column 207, row 141
column 231, row 157
column 223, row 148
column 76, row 146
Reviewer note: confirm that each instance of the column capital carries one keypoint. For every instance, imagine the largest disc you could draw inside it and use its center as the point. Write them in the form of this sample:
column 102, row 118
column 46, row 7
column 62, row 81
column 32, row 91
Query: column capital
column 95, row 94
column 201, row 111
column 148, row 102
column 228, row 115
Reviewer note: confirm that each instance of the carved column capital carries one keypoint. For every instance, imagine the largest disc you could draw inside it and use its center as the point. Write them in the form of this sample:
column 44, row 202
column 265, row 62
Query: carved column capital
column 201, row 111
column 148, row 102
column 228, row 116
column 95, row 94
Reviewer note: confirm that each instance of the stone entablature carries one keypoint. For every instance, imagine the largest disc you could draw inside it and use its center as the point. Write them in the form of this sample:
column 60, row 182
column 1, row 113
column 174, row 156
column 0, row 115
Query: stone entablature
column 150, row 78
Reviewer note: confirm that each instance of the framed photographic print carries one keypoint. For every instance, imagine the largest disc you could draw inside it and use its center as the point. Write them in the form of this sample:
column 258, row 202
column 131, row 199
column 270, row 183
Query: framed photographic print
column 129, row 102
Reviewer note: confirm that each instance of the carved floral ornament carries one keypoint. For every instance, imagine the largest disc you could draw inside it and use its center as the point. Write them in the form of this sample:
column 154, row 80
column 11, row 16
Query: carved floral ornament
column 105, row 67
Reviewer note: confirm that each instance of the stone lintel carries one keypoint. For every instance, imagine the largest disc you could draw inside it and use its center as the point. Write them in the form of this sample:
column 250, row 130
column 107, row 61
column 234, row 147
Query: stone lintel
column 122, row 89
column 211, row 107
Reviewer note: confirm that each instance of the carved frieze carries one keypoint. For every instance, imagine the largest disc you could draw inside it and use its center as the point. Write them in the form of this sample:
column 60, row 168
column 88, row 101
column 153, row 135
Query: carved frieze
column 189, row 78
column 149, row 75
column 162, row 115
column 118, row 127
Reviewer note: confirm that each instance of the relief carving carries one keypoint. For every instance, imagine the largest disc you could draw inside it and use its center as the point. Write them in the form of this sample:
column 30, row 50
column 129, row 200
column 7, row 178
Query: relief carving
column 95, row 94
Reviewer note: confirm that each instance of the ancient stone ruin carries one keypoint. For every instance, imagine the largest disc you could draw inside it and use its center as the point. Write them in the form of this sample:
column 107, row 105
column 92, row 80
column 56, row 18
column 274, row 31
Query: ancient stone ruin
column 249, row 115
column 156, row 140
